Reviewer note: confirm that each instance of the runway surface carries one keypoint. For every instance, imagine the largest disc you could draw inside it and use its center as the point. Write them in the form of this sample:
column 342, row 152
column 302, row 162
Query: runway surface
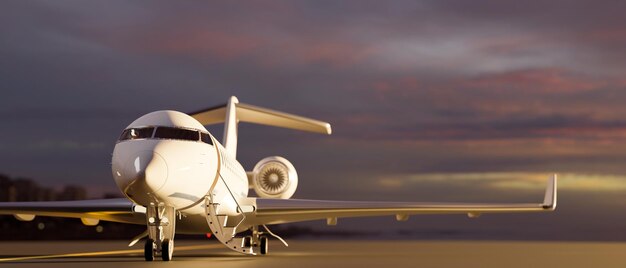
column 302, row 253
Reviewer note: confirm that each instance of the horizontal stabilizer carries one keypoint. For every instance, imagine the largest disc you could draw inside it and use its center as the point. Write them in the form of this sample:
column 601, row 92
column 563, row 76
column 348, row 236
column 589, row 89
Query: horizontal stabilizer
column 253, row 114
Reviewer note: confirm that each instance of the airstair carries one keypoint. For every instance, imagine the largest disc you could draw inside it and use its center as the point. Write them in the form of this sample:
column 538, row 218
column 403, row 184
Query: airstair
column 225, row 227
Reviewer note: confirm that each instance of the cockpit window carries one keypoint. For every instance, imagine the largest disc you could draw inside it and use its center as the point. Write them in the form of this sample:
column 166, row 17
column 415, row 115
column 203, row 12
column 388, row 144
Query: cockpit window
column 170, row 133
column 206, row 138
column 137, row 133
column 176, row 134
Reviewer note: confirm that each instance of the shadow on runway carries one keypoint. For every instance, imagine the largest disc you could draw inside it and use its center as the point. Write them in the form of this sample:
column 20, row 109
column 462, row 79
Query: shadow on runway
column 130, row 255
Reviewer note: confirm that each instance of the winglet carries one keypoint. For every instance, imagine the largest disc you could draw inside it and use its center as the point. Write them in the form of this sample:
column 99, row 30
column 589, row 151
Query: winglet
column 549, row 200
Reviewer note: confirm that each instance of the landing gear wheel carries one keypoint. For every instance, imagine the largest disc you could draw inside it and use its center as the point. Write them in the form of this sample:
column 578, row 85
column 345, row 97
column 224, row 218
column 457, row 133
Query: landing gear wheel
column 263, row 247
column 148, row 250
column 246, row 242
column 167, row 250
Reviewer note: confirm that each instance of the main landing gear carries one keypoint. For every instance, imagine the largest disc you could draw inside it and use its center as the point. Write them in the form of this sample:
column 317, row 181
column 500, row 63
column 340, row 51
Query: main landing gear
column 257, row 239
column 161, row 221
column 263, row 245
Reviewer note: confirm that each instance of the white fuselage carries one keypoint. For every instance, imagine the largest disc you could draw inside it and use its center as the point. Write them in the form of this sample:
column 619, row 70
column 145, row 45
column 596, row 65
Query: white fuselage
column 157, row 166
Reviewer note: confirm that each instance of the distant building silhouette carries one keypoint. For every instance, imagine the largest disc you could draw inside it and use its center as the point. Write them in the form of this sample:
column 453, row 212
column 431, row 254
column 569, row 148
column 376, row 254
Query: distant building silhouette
column 5, row 185
column 72, row 192
column 24, row 189
column 112, row 195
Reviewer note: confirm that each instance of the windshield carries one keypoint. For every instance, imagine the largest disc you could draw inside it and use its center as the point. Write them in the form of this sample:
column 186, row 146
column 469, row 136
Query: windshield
column 168, row 133
column 137, row 133
column 176, row 134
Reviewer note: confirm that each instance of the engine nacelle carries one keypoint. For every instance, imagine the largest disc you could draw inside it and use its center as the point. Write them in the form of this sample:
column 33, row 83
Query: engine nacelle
column 274, row 177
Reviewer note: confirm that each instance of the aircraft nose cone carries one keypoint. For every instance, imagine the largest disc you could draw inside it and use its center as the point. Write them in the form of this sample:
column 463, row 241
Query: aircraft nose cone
column 149, row 168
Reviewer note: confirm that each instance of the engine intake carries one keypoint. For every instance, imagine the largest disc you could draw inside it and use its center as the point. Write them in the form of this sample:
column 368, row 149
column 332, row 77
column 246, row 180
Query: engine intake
column 274, row 177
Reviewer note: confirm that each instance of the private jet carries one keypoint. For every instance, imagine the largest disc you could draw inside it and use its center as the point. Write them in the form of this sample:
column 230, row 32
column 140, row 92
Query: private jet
column 177, row 177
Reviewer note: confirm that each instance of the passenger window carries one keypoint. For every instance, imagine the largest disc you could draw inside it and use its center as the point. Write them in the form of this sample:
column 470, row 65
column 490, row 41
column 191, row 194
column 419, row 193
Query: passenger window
column 176, row 134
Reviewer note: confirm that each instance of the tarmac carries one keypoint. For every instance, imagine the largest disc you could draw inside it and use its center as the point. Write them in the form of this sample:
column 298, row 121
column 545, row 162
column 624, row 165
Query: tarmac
column 307, row 253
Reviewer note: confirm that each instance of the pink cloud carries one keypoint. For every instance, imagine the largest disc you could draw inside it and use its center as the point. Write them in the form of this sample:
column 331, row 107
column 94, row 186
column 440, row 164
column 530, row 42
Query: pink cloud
column 335, row 53
column 263, row 49
column 197, row 43
column 607, row 35
column 219, row 44
column 546, row 80
column 509, row 44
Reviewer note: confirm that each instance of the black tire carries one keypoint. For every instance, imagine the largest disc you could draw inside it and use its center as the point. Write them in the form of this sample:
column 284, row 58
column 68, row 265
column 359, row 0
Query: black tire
column 148, row 250
column 167, row 250
column 246, row 242
column 264, row 245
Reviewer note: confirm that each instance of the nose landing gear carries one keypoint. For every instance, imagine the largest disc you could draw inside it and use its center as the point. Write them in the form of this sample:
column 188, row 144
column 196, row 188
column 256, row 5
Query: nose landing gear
column 161, row 221
column 148, row 250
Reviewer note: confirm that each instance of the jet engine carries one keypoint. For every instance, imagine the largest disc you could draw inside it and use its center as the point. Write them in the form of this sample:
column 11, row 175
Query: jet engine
column 274, row 177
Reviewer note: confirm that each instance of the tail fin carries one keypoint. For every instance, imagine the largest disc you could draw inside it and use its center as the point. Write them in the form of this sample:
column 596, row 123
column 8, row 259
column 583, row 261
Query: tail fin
column 230, row 126
column 232, row 112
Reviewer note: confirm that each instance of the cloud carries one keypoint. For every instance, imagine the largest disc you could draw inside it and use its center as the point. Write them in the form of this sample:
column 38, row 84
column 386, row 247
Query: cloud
column 550, row 80
column 509, row 181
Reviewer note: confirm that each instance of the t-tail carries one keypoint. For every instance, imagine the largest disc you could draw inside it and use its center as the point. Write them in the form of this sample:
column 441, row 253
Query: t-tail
column 232, row 112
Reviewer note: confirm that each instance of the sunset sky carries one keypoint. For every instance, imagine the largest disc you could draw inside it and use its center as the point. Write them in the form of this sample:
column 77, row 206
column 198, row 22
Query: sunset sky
column 429, row 100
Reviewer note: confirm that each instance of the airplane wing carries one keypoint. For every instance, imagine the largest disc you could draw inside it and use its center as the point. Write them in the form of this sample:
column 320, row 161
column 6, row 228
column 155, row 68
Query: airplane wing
column 275, row 211
column 115, row 210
